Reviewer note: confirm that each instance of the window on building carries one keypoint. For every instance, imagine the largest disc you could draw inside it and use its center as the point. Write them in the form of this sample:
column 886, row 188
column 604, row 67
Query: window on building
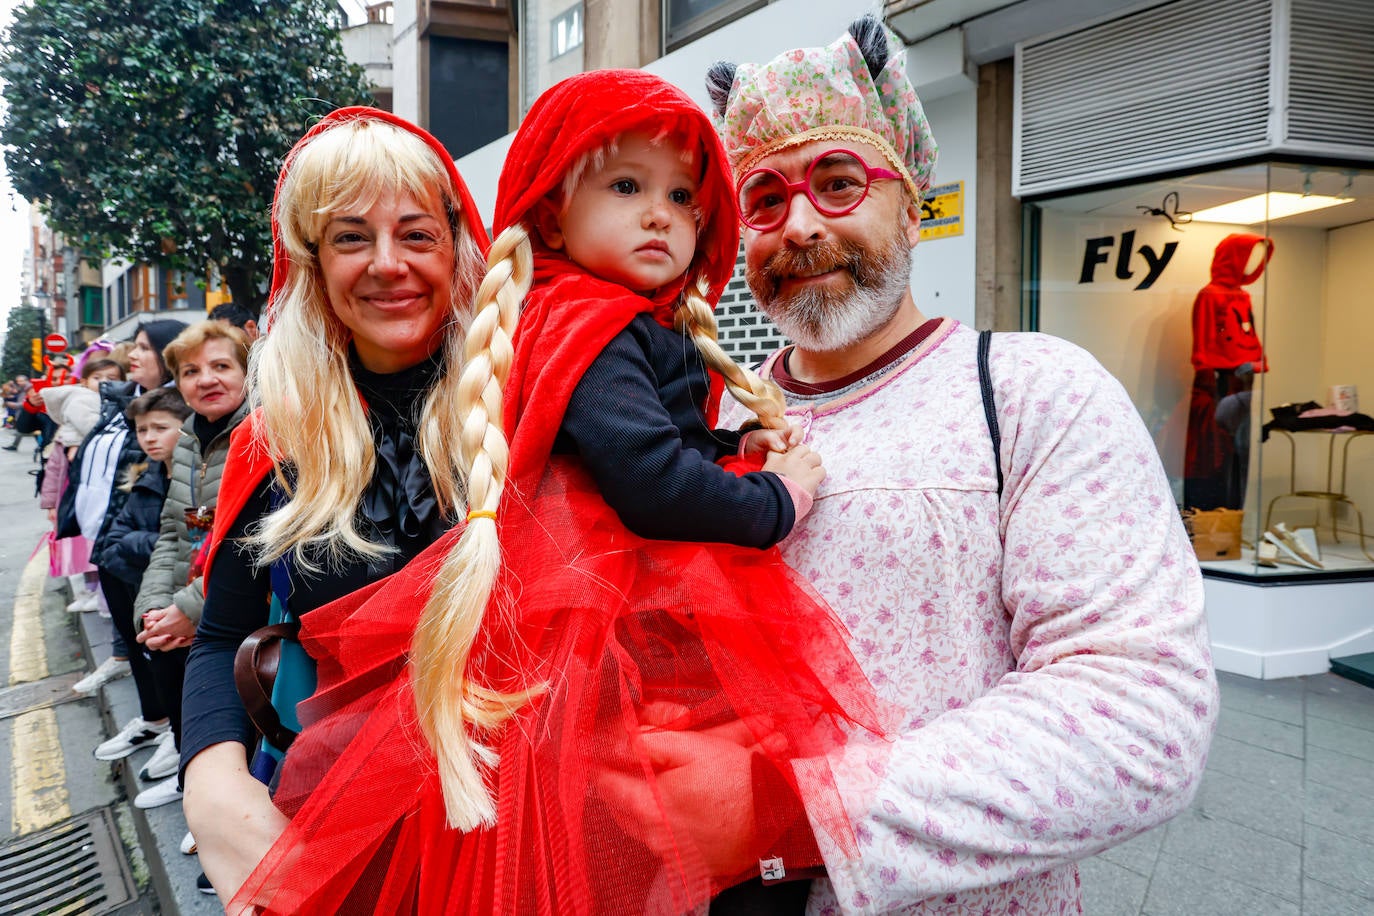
column 143, row 288
column 687, row 20
column 567, row 31
column 92, row 307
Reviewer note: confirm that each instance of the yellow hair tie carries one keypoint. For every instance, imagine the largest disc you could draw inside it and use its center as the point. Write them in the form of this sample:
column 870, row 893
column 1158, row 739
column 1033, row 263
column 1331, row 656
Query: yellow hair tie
column 482, row 513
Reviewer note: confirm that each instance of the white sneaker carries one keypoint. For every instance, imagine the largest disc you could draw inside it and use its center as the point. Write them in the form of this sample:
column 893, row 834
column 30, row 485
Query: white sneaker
column 131, row 737
column 188, row 845
column 87, row 601
column 165, row 759
column 159, row 793
column 110, row 669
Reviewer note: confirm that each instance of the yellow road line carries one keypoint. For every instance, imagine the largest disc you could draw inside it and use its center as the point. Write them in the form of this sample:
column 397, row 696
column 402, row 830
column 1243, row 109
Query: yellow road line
column 40, row 772
column 28, row 649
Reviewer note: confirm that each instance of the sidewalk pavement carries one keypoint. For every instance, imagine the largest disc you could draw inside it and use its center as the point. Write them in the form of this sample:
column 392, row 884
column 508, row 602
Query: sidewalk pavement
column 159, row 829
column 1283, row 823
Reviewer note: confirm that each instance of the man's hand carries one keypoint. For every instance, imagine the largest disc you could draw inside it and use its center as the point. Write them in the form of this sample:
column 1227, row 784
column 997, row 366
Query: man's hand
column 705, row 792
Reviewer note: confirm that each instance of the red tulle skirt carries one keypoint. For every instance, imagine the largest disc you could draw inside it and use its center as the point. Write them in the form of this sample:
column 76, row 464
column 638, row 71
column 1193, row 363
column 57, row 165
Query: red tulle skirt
column 687, row 687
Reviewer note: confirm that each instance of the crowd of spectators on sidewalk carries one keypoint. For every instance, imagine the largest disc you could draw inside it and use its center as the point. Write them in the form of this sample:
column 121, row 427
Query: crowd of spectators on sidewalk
column 123, row 445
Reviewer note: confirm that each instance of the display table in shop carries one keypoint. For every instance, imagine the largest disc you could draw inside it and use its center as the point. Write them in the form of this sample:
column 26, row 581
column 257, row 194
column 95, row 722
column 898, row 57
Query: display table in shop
column 1334, row 495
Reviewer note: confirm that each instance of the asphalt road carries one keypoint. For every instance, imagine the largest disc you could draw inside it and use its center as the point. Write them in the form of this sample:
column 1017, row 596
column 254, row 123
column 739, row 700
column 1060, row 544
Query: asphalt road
column 52, row 790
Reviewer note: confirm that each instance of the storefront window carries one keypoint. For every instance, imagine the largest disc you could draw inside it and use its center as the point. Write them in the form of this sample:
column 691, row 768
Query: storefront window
column 1234, row 306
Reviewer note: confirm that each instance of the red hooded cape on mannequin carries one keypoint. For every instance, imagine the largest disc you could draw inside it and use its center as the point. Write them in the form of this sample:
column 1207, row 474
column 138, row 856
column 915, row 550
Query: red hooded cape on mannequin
column 1224, row 339
column 1224, row 334
column 702, row 636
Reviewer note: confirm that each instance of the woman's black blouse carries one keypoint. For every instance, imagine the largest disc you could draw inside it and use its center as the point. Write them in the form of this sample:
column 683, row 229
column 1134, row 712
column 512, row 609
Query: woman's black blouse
column 398, row 509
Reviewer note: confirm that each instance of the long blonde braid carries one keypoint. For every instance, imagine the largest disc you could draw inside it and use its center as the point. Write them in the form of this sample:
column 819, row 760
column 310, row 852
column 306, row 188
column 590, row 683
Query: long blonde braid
column 456, row 714
column 695, row 316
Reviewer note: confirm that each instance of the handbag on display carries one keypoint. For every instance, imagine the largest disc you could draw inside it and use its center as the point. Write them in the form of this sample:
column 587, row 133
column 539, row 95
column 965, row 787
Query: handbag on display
column 1214, row 533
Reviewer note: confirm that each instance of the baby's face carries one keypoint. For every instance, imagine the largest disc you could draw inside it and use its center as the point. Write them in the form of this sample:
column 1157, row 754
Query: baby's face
column 93, row 380
column 634, row 220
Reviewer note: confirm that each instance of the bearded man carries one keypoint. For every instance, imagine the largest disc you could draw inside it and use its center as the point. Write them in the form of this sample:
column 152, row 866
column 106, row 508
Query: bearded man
column 1016, row 580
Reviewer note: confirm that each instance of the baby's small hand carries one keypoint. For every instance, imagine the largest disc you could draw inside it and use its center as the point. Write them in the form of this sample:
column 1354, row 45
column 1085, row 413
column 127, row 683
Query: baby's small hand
column 771, row 440
column 799, row 464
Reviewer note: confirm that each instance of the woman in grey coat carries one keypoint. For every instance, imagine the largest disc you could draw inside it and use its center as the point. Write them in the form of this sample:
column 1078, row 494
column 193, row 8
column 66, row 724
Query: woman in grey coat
column 209, row 362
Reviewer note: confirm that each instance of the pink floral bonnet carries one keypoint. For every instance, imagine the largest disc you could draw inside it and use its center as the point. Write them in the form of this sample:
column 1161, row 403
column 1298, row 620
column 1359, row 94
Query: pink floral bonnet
column 829, row 94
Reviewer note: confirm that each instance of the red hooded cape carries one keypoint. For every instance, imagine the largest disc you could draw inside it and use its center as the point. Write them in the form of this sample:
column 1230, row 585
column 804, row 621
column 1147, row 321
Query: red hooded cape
column 1224, row 338
column 635, row 640
column 1224, row 334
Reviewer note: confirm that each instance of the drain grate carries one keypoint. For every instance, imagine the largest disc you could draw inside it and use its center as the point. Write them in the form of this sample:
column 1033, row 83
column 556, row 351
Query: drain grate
column 76, row 867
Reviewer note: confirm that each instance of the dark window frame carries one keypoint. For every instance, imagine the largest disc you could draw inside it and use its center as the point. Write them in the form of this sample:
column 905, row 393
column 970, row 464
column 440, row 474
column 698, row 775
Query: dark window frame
column 723, row 12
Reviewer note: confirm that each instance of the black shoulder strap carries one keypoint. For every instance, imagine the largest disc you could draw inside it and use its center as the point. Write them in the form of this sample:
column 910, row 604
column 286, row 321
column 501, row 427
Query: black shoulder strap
column 990, row 406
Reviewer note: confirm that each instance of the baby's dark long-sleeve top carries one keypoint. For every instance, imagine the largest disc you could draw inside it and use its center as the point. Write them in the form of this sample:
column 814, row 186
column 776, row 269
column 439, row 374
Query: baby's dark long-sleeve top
column 635, row 421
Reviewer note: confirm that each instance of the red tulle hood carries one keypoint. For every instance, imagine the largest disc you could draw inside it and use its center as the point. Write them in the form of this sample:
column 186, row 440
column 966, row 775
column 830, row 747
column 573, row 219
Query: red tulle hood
column 1233, row 253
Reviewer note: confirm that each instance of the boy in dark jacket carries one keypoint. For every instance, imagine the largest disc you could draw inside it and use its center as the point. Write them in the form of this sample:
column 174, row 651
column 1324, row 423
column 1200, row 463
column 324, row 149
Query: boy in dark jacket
column 156, row 417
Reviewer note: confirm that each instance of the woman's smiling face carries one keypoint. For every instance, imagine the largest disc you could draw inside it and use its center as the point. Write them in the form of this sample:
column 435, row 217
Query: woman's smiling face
column 388, row 272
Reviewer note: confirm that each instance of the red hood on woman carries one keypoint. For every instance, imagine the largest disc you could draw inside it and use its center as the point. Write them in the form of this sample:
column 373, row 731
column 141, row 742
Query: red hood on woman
column 248, row 461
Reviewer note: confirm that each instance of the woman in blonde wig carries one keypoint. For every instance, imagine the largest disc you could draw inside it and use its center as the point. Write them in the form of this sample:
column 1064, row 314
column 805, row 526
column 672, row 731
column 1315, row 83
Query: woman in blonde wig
column 607, row 581
column 343, row 473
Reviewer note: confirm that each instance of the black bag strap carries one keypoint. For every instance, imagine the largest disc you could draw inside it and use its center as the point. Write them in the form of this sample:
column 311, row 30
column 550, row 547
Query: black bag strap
column 989, row 405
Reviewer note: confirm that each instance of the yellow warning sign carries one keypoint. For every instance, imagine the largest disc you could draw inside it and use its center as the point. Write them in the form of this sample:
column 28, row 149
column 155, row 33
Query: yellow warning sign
column 942, row 211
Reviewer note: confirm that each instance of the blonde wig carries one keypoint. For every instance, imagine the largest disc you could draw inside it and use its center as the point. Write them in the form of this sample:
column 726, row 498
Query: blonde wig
column 457, row 715
column 312, row 419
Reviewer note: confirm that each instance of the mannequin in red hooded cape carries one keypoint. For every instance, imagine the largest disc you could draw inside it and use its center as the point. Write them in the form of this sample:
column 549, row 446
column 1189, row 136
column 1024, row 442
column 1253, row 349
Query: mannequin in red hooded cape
column 1226, row 354
column 624, row 635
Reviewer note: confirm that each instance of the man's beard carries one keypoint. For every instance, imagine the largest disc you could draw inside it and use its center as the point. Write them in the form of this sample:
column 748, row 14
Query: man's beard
column 819, row 318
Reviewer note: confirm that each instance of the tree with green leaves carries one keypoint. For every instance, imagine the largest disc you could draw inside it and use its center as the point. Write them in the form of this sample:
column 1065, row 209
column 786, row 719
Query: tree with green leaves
column 153, row 130
column 25, row 324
